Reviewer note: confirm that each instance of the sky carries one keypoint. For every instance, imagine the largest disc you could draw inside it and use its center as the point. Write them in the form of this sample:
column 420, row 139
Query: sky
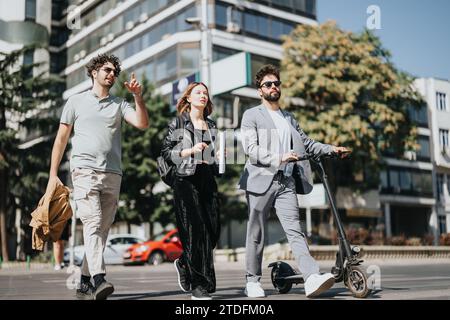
column 416, row 32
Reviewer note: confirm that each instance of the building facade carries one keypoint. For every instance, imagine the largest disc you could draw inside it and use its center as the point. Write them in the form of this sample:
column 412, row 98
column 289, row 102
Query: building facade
column 436, row 92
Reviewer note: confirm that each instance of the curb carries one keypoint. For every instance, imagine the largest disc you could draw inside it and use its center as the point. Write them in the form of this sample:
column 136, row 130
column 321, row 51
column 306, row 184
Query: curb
column 283, row 252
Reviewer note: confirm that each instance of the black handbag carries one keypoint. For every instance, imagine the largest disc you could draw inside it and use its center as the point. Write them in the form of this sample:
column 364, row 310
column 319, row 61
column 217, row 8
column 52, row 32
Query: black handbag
column 166, row 170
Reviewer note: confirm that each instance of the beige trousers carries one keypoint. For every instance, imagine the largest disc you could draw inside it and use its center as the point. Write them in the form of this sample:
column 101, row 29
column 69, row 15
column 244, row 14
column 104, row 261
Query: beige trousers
column 96, row 195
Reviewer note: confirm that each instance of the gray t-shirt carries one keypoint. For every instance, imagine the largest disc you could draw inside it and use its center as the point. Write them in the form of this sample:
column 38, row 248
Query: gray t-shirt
column 96, row 143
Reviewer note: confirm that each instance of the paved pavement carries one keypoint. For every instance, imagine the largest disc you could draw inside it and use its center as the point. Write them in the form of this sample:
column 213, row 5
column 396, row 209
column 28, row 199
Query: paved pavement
column 399, row 280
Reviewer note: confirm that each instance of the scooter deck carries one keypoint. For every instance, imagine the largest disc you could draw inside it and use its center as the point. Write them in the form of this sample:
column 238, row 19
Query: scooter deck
column 297, row 278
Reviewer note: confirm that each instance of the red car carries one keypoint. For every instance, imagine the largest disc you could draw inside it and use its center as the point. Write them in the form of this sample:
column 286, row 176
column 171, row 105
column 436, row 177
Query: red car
column 164, row 247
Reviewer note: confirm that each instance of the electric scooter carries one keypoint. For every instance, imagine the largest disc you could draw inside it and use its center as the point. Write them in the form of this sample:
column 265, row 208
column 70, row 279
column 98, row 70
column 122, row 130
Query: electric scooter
column 347, row 267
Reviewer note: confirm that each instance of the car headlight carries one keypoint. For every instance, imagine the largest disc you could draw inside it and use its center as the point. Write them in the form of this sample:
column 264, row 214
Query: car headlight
column 142, row 249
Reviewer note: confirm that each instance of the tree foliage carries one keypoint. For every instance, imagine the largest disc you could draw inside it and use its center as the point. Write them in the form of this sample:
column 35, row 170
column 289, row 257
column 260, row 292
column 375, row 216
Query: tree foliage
column 28, row 113
column 346, row 91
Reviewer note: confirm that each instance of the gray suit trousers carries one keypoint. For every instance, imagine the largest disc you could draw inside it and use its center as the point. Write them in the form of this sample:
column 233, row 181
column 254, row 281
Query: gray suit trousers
column 282, row 196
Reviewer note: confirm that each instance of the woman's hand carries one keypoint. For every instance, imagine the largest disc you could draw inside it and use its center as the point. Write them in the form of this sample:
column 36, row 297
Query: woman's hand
column 198, row 148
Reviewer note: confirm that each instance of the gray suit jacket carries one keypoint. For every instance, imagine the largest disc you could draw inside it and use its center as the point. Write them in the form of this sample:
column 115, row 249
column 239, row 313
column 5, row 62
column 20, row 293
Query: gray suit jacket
column 261, row 143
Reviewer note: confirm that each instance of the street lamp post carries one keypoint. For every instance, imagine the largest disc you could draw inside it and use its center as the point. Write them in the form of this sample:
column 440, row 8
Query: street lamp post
column 205, row 43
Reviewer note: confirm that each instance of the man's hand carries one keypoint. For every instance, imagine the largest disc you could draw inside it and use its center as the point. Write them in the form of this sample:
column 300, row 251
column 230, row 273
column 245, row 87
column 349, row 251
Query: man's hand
column 288, row 157
column 343, row 152
column 52, row 181
column 133, row 86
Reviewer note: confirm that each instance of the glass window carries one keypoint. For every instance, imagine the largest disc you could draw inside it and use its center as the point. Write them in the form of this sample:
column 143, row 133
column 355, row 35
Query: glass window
column 119, row 53
column 30, row 9
column 384, row 179
column 424, row 151
column 115, row 241
column 416, row 182
column 130, row 240
column 131, row 15
column 263, row 25
column 440, row 185
column 220, row 53
column 422, row 115
column 287, row 28
column 150, row 72
column 442, row 224
column 28, row 57
column 448, row 184
column 221, row 15
column 116, row 25
column 443, row 139
column 311, row 7
column 276, row 29
column 132, row 47
column 166, row 65
column 441, row 101
column 418, row 115
column 250, row 22
column 190, row 59
column 282, row 3
column 150, row 6
column 171, row 27
column 426, row 183
column 394, row 180
column 405, row 180
column 299, row 5
column 422, row 182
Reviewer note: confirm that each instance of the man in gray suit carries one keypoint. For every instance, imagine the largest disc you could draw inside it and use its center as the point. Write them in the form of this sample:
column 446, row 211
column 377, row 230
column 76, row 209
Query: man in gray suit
column 272, row 177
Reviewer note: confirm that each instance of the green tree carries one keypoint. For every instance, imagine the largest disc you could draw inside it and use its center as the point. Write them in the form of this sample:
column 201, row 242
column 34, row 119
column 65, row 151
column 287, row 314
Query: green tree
column 345, row 91
column 139, row 152
column 28, row 107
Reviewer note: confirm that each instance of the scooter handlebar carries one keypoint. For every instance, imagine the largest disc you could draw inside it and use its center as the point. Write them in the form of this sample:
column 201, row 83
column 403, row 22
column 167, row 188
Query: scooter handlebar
column 318, row 158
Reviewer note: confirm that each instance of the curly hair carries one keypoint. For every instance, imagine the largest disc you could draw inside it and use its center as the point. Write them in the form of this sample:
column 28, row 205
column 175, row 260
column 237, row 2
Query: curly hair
column 264, row 71
column 98, row 62
column 184, row 105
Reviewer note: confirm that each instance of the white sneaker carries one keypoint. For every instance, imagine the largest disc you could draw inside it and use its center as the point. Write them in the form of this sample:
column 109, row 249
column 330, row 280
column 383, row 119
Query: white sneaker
column 254, row 290
column 318, row 283
column 57, row 267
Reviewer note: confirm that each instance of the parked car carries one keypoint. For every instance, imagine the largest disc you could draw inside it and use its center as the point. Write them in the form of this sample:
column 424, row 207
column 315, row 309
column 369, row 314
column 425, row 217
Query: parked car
column 164, row 247
column 116, row 245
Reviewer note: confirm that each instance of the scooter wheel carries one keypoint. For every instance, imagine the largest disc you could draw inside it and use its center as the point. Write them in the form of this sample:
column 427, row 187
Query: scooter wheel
column 356, row 281
column 282, row 286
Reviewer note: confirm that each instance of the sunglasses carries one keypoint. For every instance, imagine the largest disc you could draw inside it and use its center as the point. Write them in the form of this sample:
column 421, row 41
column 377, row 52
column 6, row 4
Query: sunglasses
column 268, row 84
column 108, row 71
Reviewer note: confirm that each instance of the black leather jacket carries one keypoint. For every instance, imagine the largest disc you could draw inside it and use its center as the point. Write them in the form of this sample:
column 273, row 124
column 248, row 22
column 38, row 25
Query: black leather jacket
column 177, row 140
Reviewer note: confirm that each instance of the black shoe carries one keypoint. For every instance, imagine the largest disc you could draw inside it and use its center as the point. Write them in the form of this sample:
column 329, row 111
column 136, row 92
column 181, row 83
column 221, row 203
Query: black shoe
column 85, row 291
column 200, row 293
column 103, row 290
column 183, row 280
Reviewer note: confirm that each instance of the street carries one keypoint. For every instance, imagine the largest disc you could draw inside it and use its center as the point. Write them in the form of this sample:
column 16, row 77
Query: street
column 399, row 280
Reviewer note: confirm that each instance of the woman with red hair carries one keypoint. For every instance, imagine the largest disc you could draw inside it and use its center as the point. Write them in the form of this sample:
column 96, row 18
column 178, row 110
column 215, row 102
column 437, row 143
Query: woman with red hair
column 190, row 146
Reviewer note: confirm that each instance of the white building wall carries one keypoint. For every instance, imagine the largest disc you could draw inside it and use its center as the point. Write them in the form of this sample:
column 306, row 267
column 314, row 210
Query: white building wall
column 12, row 10
column 44, row 13
column 439, row 119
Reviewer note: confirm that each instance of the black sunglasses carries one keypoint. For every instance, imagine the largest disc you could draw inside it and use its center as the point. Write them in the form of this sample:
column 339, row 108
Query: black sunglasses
column 108, row 71
column 268, row 84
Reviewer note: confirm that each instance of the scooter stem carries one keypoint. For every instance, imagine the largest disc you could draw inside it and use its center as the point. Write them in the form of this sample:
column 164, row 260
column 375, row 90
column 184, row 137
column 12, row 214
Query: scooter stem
column 337, row 220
